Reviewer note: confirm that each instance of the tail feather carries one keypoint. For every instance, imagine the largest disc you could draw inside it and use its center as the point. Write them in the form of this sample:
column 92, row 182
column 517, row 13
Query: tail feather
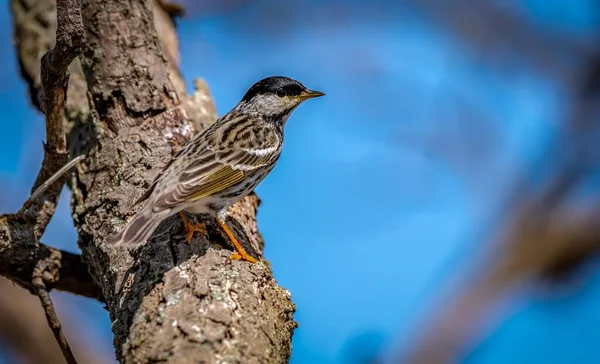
column 139, row 229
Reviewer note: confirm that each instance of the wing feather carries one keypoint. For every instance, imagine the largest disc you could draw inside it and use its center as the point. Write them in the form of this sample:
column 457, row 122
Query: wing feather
column 215, row 170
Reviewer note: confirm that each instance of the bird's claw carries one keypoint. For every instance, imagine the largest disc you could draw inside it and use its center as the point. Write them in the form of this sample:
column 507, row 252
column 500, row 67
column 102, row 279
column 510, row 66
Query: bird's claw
column 190, row 228
column 246, row 257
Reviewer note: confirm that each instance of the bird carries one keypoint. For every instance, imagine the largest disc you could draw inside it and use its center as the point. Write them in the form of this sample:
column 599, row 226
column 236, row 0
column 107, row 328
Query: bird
column 220, row 165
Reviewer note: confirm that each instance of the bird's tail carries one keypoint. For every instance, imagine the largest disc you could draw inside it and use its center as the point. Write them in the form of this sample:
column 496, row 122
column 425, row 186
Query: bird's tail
column 139, row 229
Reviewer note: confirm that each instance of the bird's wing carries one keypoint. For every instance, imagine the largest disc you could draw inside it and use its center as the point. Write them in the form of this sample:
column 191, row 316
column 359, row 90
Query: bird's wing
column 216, row 169
column 150, row 189
column 181, row 151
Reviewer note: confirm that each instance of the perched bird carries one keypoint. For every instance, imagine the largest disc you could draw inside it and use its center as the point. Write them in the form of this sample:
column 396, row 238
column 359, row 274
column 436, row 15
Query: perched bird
column 222, row 164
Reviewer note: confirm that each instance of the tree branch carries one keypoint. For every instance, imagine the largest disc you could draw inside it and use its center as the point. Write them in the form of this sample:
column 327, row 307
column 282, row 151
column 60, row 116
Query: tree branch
column 20, row 249
column 44, row 271
column 24, row 326
column 142, row 115
column 21, row 256
column 70, row 36
column 49, row 183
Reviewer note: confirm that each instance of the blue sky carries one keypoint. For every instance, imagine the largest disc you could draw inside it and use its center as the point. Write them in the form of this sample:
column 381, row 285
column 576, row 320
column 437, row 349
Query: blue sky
column 379, row 191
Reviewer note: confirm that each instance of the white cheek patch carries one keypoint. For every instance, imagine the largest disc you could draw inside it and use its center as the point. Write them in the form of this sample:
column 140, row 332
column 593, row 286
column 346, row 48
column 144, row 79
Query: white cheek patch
column 270, row 104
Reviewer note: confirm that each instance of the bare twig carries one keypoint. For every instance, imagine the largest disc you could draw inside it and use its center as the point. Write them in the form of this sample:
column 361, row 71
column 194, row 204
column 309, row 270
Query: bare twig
column 24, row 326
column 22, row 258
column 70, row 37
column 47, row 269
column 41, row 189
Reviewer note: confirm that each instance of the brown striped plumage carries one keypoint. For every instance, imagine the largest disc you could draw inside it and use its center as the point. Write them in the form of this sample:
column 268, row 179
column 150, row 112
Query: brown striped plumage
column 223, row 163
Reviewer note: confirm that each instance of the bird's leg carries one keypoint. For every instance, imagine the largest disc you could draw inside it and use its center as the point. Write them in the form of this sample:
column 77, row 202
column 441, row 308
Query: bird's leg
column 241, row 253
column 190, row 228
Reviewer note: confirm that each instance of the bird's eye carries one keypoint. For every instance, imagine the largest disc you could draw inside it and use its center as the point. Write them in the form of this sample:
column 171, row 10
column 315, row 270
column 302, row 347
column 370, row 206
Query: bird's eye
column 281, row 93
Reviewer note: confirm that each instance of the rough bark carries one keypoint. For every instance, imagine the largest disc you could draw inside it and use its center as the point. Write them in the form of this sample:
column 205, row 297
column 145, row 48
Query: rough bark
column 168, row 301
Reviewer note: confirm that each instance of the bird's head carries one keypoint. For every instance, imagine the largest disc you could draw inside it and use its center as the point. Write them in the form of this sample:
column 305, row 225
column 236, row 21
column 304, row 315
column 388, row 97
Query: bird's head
column 276, row 97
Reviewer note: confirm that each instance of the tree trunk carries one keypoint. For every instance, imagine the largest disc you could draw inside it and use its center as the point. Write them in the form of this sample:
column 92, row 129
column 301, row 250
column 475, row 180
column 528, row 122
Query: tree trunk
column 168, row 301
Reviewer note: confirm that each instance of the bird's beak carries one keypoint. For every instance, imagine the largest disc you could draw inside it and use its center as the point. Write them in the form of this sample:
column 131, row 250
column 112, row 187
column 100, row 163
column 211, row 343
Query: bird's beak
column 309, row 94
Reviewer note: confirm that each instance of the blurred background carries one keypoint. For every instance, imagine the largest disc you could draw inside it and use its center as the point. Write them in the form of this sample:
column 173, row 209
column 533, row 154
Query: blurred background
column 439, row 205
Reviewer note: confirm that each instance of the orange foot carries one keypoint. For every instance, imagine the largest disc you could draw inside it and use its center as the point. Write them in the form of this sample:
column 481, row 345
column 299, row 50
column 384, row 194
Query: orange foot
column 241, row 253
column 190, row 228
